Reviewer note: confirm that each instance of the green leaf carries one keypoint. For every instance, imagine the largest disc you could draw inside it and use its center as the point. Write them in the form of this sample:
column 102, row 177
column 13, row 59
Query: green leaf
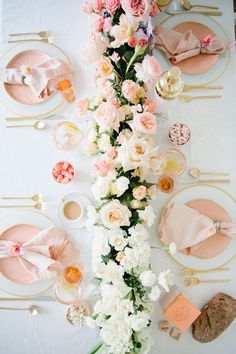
column 128, row 55
column 96, row 347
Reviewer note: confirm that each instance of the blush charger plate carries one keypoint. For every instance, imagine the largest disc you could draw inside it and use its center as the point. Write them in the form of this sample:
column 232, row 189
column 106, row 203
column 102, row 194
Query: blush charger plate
column 206, row 72
column 29, row 218
column 222, row 198
column 45, row 107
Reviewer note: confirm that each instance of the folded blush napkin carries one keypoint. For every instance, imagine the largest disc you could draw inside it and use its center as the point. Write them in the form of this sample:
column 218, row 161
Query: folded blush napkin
column 39, row 77
column 180, row 46
column 187, row 227
column 44, row 254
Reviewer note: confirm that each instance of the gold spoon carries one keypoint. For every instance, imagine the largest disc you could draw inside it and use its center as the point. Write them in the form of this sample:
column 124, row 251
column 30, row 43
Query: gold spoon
column 41, row 34
column 190, row 271
column 33, row 309
column 195, row 172
column 186, row 98
column 38, row 206
column 188, row 6
column 36, row 197
column 188, row 88
column 195, row 281
column 39, row 125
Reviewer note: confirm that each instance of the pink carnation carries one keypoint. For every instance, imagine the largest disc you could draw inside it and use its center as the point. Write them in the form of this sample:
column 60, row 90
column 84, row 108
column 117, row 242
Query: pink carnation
column 102, row 167
column 132, row 42
column 112, row 5
column 107, row 24
column 97, row 6
column 137, row 9
column 145, row 123
column 98, row 24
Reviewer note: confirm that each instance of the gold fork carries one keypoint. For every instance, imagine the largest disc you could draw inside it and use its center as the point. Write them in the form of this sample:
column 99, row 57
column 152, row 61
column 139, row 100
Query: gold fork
column 186, row 98
column 41, row 34
column 35, row 197
column 195, row 281
column 38, row 206
column 190, row 271
column 47, row 40
column 188, row 88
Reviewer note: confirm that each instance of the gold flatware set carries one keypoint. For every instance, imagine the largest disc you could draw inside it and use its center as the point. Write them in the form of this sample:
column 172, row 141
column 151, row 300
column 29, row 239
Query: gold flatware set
column 33, row 309
column 195, row 281
column 37, row 198
column 192, row 280
column 38, row 125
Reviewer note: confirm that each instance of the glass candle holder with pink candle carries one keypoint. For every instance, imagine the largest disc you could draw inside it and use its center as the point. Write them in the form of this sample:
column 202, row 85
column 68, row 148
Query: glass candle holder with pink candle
column 65, row 87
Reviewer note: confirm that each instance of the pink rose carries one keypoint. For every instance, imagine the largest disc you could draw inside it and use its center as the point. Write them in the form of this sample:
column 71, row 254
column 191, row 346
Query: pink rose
column 130, row 89
column 150, row 105
column 154, row 9
column 107, row 116
column 107, row 24
column 104, row 87
column 102, row 167
column 97, row 6
column 112, row 5
column 132, row 42
column 114, row 101
column 82, row 106
column 87, row 8
column 98, row 24
column 111, row 153
column 137, row 9
column 145, row 123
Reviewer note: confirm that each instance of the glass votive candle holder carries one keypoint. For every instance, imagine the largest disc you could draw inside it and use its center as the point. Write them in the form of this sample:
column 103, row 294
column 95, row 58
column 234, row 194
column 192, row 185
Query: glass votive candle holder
column 63, row 172
column 166, row 184
column 175, row 162
column 65, row 87
column 66, row 135
column 179, row 134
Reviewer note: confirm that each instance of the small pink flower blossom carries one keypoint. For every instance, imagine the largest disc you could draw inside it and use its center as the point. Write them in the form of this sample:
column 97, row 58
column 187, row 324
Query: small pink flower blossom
column 112, row 5
column 82, row 106
column 115, row 57
column 130, row 89
column 111, row 153
column 142, row 43
column 107, row 24
column 87, row 8
column 206, row 41
column 98, row 24
column 97, row 6
column 15, row 249
column 132, row 42
column 102, row 167
column 150, row 105
column 154, row 9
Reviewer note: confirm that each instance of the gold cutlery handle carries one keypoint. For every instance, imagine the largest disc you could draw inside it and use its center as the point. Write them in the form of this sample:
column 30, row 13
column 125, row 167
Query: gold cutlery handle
column 215, row 173
column 17, row 206
column 16, row 197
column 206, row 7
column 209, row 13
column 207, row 97
column 29, row 40
column 15, row 119
column 215, row 281
column 15, row 308
column 214, row 181
column 19, row 126
column 22, row 34
column 212, row 270
column 192, row 87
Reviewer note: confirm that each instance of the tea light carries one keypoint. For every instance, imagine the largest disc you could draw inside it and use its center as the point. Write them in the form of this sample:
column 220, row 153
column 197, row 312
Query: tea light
column 66, row 135
column 76, row 315
column 72, row 275
column 175, row 162
column 66, row 89
column 63, row 172
column 166, row 184
column 179, row 134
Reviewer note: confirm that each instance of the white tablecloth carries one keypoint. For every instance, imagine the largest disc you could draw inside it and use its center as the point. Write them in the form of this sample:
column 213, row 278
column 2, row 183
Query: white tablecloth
column 27, row 156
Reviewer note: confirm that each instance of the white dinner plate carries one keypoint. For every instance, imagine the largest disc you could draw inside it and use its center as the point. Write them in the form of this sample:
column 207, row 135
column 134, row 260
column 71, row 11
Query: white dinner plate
column 46, row 107
column 219, row 196
column 222, row 63
column 41, row 221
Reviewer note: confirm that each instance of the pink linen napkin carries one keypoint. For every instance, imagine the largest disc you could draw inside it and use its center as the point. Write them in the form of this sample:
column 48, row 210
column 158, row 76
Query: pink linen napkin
column 187, row 227
column 39, row 77
column 44, row 255
column 180, row 46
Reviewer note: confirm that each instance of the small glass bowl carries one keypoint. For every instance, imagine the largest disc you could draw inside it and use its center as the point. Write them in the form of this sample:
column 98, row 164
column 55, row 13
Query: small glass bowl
column 66, row 135
column 175, row 162
column 63, row 172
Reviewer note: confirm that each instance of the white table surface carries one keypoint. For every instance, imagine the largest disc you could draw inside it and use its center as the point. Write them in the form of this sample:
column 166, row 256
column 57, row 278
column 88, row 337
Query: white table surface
column 27, row 156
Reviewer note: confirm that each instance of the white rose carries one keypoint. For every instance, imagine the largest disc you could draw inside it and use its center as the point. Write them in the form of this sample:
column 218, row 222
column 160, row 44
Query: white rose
column 138, row 234
column 100, row 246
column 101, row 187
column 147, row 215
column 115, row 330
column 112, row 272
column 139, row 192
column 120, row 185
column 96, row 46
column 148, row 278
column 104, row 142
column 114, row 214
column 155, row 293
column 165, row 279
column 117, row 240
column 136, row 204
column 139, row 321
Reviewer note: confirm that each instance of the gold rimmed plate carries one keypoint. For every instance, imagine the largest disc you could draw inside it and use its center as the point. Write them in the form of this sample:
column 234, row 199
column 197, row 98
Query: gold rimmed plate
column 43, row 107
column 219, row 197
column 203, row 69
column 40, row 221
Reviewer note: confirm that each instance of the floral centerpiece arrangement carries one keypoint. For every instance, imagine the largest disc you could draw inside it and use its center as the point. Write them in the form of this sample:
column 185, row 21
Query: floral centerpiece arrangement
column 120, row 135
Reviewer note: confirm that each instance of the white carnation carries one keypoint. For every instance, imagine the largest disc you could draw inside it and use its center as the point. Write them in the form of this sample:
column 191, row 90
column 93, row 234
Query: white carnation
column 92, row 216
column 139, row 321
column 101, row 187
column 117, row 239
column 112, row 272
column 154, row 293
column 104, row 142
column 147, row 215
column 148, row 278
column 138, row 234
